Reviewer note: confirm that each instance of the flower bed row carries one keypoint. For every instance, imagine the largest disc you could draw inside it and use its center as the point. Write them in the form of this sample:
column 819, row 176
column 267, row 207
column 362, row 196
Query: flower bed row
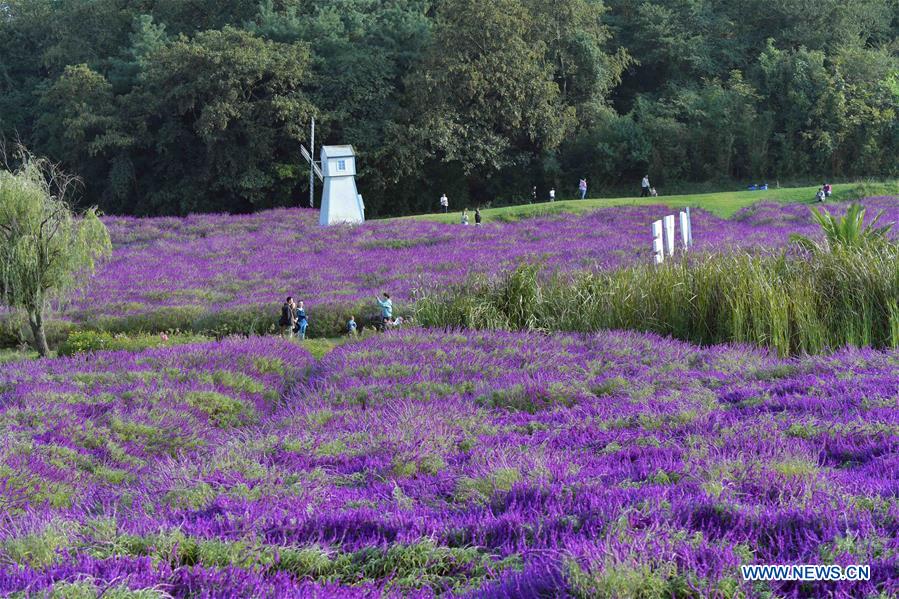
column 418, row 463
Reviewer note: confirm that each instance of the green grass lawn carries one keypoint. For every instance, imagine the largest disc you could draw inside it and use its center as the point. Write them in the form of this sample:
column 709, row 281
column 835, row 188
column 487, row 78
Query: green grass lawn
column 724, row 203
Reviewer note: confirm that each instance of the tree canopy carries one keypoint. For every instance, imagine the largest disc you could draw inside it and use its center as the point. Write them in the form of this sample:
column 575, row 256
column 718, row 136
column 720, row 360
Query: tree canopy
column 176, row 106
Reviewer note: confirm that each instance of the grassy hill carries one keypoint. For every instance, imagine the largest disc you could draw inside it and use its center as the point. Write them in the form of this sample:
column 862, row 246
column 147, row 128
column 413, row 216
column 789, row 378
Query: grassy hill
column 724, row 203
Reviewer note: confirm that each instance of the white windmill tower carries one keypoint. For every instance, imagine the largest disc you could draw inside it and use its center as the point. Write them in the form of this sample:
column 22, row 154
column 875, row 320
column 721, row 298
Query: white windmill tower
column 341, row 202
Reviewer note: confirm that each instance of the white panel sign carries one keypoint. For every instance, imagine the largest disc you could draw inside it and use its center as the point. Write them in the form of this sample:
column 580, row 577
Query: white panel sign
column 658, row 246
column 669, row 234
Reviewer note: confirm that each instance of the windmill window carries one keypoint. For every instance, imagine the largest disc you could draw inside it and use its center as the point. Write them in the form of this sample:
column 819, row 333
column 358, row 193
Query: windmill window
column 341, row 165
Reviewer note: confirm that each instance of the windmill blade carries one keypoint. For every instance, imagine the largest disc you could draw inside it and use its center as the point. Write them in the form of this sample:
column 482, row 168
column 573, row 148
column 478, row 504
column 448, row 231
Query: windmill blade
column 315, row 167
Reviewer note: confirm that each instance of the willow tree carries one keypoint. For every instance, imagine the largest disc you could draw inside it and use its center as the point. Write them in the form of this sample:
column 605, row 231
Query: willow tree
column 47, row 249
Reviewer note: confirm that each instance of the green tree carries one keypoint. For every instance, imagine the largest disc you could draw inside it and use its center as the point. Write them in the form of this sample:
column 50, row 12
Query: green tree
column 485, row 90
column 81, row 124
column 217, row 120
column 361, row 53
column 46, row 248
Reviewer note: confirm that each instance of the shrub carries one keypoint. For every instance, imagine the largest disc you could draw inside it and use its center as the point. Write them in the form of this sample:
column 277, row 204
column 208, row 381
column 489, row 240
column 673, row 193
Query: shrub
column 325, row 321
column 793, row 304
column 847, row 231
column 173, row 318
column 91, row 341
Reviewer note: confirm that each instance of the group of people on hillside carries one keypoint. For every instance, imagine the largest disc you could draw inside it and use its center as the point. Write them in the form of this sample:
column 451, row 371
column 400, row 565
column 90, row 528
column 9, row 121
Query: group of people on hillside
column 824, row 193
column 478, row 218
column 294, row 321
column 646, row 190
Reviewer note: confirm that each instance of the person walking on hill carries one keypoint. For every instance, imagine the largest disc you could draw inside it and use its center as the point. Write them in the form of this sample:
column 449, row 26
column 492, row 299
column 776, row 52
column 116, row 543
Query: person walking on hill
column 444, row 203
column 302, row 321
column 477, row 217
column 582, row 188
column 644, row 187
column 552, row 194
column 288, row 317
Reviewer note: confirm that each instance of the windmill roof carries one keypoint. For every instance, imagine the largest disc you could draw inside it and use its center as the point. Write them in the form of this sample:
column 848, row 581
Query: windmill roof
column 338, row 151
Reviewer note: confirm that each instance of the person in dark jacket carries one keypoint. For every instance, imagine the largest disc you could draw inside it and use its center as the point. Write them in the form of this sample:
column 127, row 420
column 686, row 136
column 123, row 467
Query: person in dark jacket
column 477, row 217
column 288, row 319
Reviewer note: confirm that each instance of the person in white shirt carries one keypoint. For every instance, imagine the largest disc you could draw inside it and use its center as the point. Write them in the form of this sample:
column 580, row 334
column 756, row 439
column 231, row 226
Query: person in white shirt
column 444, row 203
column 552, row 194
column 644, row 187
column 465, row 216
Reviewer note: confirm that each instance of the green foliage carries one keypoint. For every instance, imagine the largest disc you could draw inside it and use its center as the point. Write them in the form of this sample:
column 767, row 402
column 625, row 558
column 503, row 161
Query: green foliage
column 223, row 410
column 168, row 107
column 46, row 249
column 636, row 580
column 466, row 116
column 482, row 489
column 846, row 232
column 91, row 341
column 37, row 550
column 793, row 305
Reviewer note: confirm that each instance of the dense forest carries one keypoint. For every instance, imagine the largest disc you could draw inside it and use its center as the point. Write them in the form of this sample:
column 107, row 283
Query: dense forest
column 177, row 106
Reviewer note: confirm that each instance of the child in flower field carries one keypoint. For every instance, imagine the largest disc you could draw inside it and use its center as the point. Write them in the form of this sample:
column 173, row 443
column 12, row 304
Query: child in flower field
column 302, row 321
column 351, row 326
column 288, row 319
column 386, row 306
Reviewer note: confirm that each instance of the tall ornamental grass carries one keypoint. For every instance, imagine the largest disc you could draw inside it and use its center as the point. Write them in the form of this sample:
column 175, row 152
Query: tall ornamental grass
column 803, row 302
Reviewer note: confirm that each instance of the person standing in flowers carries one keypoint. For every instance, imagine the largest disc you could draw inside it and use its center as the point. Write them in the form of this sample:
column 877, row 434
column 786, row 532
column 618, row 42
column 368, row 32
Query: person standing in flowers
column 288, row 319
column 444, row 203
column 351, row 326
column 302, row 321
column 386, row 308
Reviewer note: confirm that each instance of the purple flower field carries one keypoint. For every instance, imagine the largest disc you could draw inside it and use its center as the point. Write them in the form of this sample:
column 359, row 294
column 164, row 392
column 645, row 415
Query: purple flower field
column 418, row 464
column 207, row 263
